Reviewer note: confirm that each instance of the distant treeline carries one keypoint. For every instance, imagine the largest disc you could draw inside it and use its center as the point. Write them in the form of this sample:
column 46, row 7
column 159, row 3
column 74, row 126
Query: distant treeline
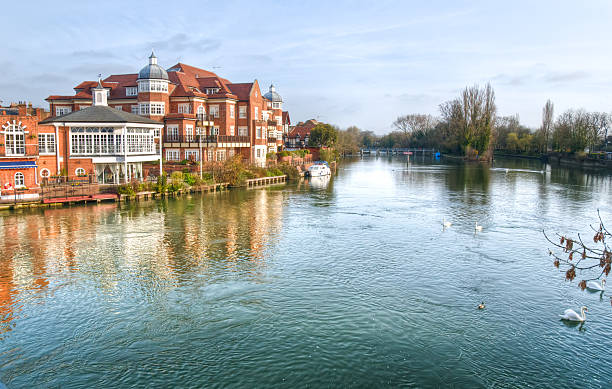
column 469, row 126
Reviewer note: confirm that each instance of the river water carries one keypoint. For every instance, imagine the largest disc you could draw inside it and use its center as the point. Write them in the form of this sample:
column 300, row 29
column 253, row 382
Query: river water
column 347, row 283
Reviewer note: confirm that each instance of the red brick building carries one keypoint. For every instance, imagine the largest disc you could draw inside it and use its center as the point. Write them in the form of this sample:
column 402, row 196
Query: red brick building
column 299, row 135
column 27, row 151
column 205, row 117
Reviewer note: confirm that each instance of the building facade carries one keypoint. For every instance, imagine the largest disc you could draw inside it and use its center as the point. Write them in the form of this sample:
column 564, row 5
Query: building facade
column 27, row 151
column 106, row 143
column 299, row 135
column 205, row 117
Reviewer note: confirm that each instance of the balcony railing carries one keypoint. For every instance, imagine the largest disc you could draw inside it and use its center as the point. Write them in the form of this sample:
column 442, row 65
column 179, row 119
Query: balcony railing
column 271, row 140
column 179, row 138
column 234, row 139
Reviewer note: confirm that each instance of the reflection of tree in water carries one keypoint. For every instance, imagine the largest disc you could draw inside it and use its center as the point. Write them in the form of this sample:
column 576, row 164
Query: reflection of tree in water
column 469, row 177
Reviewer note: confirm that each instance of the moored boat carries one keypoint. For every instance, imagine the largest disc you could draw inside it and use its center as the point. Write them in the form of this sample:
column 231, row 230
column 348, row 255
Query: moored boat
column 319, row 168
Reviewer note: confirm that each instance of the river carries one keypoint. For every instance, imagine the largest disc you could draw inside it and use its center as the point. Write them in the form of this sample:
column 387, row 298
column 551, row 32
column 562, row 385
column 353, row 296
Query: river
column 347, row 283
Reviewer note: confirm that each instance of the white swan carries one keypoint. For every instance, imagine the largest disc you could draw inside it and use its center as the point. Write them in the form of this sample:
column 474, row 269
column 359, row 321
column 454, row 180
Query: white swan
column 477, row 227
column 594, row 285
column 445, row 223
column 571, row 315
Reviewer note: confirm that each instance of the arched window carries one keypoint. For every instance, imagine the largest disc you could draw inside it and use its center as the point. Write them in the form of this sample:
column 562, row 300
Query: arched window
column 14, row 135
column 19, row 180
column 80, row 171
column 201, row 111
column 45, row 173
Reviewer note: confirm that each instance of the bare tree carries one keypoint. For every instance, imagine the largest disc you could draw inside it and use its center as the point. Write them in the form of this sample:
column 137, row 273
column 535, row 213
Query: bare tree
column 414, row 123
column 547, row 121
column 593, row 260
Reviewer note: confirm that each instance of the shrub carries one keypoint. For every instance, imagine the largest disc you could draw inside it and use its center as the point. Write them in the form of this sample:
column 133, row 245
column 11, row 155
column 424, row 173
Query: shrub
column 271, row 155
column 126, row 189
column 190, row 179
column 162, row 183
column 328, row 155
column 285, row 153
column 290, row 171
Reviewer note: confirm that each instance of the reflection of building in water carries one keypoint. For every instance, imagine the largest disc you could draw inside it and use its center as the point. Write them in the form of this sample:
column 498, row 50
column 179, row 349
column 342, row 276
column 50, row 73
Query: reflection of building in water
column 142, row 246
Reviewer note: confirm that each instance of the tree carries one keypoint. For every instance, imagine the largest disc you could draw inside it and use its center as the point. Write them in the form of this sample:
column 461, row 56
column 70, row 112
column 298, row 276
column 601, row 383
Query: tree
column 594, row 261
column 323, row 135
column 471, row 118
column 547, row 122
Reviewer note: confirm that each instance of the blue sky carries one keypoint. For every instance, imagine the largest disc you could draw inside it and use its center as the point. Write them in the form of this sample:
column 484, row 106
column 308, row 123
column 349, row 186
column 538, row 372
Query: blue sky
column 343, row 62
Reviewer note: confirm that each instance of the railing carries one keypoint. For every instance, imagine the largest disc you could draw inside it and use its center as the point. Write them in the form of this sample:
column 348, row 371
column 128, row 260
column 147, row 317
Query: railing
column 234, row 139
column 179, row 138
column 271, row 140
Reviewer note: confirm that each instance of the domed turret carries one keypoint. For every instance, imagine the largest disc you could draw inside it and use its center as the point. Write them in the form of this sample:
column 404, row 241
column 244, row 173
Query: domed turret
column 152, row 70
column 273, row 96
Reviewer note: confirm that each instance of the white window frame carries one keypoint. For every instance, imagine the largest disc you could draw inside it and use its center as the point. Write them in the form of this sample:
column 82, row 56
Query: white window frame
column 242, row 112
column 135, row 109
column 131, row 91
column 80, row 172
column 62, row 110
column 172, row 132
column 232, row 131
column 14, row 139
column 46, row 143
column 232, row 109
column 21, row 177
column 243, row 131
column 189, row 133
column 183, row 108
column 195, row 153
column 213, row 111
column 173, row 155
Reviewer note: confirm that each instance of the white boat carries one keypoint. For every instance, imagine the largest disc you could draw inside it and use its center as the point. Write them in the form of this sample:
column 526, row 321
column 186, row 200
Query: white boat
column 319, row 169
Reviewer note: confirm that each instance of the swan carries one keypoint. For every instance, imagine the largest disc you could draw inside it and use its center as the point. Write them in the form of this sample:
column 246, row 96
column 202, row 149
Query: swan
column 507, row 170
column 477, row 227
column 571, row 315
column 481, row 305
column 594, row 285
column 445, row 223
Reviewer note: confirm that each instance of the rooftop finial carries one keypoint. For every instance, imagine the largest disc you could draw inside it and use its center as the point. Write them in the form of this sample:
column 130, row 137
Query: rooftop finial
column 152, row 58
column 100, row 80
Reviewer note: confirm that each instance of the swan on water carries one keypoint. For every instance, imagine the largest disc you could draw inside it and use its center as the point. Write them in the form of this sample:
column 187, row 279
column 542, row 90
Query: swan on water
column 594, row 285
column 477, row 227
column 445, row 223
column 571, row 315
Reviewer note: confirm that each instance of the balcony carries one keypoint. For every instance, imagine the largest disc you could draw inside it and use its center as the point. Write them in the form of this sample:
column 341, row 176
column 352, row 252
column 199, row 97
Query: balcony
column 233, row 141
column 179, row 140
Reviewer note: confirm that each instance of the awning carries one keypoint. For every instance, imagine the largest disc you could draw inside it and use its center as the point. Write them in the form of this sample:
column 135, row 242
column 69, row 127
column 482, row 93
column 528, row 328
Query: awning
column 17, row 165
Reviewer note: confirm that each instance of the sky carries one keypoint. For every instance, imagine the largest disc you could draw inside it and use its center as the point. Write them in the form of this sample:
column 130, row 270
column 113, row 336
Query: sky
column 341, row 62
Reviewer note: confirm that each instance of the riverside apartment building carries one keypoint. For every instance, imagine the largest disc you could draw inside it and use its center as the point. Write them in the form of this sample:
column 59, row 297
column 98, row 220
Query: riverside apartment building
column 205, row 117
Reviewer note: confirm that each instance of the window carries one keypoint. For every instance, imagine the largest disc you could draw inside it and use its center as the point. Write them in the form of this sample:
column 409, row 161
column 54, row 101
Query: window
column 152, row 108
column 183, row 108
column 231, row 107
column 103, row 141
column 189, row 133
column 173, row 155
column 80, row 172
column 46, row 143
column 276, row 105
column 172, row 133
column 62, row 110
column 213, row 110
column 19, row 180
column 258, row 132
column 131, row 91
column 256, row 113
column 209, row 155
column 201, row 111
column 242, row 112
column 152, row 86
column 221, row 155
column 135, row 110
column 45, row 173
column 258, row 153
column 243, row 131
column 279, row 120
column 215, row 131
column 230, row 153
column 192, row 155
column 14, row 137
column 232, row 131
column 119, row 108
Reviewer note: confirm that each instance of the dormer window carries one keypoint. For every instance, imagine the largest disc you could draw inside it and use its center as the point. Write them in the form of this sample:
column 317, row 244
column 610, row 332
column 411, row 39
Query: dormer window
column 131, row 91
